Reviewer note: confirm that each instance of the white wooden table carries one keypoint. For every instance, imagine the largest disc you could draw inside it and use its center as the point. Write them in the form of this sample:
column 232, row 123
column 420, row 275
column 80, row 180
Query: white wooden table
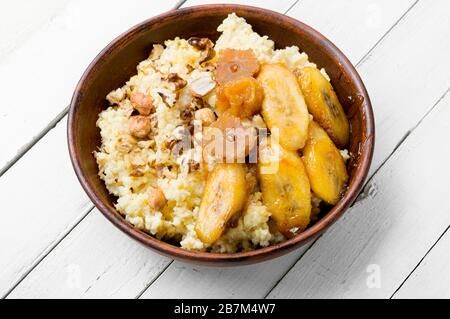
column 393, row 243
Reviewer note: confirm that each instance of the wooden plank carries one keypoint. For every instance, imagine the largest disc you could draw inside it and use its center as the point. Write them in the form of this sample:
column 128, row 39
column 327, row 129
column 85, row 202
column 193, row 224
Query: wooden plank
column 278, row 5
column 352, row 25
column 233, row 290
column 385, row 229
column 102, row 262
column 431, row 279
column 40, row 74
column 181, row 280
column 373, row 248
column 24, row 18
column 87, row 243
column 42, row 199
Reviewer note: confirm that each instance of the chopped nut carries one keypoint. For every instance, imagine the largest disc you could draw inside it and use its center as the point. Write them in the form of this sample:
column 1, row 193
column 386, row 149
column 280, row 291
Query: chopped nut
column 156, row 199
column 116, row 96
column 186, row 115
column 205, row 115
column 197, row 103
column 142, row 103
column 158, row 49
column 200, row 43
column 203, row 44
column 137, row 171
column 164, row 99
column 210, row 53
column 160, row 170
column 139, row 126
column 202, row 85
column 168, row 145
column 177, row 80
column 189, row 68
column 193, row 166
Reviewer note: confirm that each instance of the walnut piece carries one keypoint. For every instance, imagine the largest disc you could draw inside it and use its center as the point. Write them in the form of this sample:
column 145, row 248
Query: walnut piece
column 177, row 80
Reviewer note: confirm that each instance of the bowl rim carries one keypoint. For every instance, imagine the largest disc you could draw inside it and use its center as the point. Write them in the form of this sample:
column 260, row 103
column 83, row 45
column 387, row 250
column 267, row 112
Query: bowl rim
column 259, row 254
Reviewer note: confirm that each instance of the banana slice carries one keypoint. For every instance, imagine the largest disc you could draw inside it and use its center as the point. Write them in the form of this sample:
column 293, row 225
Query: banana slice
column 285, row 188
column 325, row 165
column 324, row 105
column 284, row 107
column 224, row 196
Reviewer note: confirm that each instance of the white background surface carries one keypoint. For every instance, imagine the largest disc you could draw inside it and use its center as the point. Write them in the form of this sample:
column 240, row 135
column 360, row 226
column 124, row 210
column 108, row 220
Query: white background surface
column 393, row 243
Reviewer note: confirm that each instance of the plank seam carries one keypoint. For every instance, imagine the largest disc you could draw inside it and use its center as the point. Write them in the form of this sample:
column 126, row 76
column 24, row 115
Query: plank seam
column 369, row 53
column 47, row 251
column 165, row 268
column 153, row 280
column 52, row 124
column 361, row 61
column 420, row 262
column 293, row 5
column 367, row 183
column 24, row 149
column 21, row 153
column 445, row 231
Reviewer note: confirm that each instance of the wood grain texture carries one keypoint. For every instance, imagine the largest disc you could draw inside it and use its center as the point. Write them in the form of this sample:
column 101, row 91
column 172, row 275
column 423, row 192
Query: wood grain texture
column 373, row 248
column 201, row 282
column 41, row 195
column 50, row 61
column 42, row 200
column 25, row 18
column 96, row 225
column 103, row 262
column 386, row 227
column 360, row 21
column 431, row 279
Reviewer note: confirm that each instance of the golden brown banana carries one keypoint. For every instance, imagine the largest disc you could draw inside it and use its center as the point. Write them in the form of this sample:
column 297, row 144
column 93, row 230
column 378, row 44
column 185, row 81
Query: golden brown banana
column 324, row 105
column 224, row 196
column 325, row 165
column 285, row 188
column 283, row 106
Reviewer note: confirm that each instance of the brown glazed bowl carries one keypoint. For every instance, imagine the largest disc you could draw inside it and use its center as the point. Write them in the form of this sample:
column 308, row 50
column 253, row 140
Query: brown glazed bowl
column 117, row 63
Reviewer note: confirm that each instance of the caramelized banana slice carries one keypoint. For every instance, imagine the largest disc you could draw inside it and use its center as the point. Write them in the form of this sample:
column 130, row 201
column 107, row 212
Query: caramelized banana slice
column 324, row 105
column 284, row 107
column 224, row 196
column 285, row 188
column 324, row 164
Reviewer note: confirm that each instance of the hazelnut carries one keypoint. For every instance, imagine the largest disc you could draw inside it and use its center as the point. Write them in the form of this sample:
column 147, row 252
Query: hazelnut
column 139, row 126
column 142, row 103
column 156, row 199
